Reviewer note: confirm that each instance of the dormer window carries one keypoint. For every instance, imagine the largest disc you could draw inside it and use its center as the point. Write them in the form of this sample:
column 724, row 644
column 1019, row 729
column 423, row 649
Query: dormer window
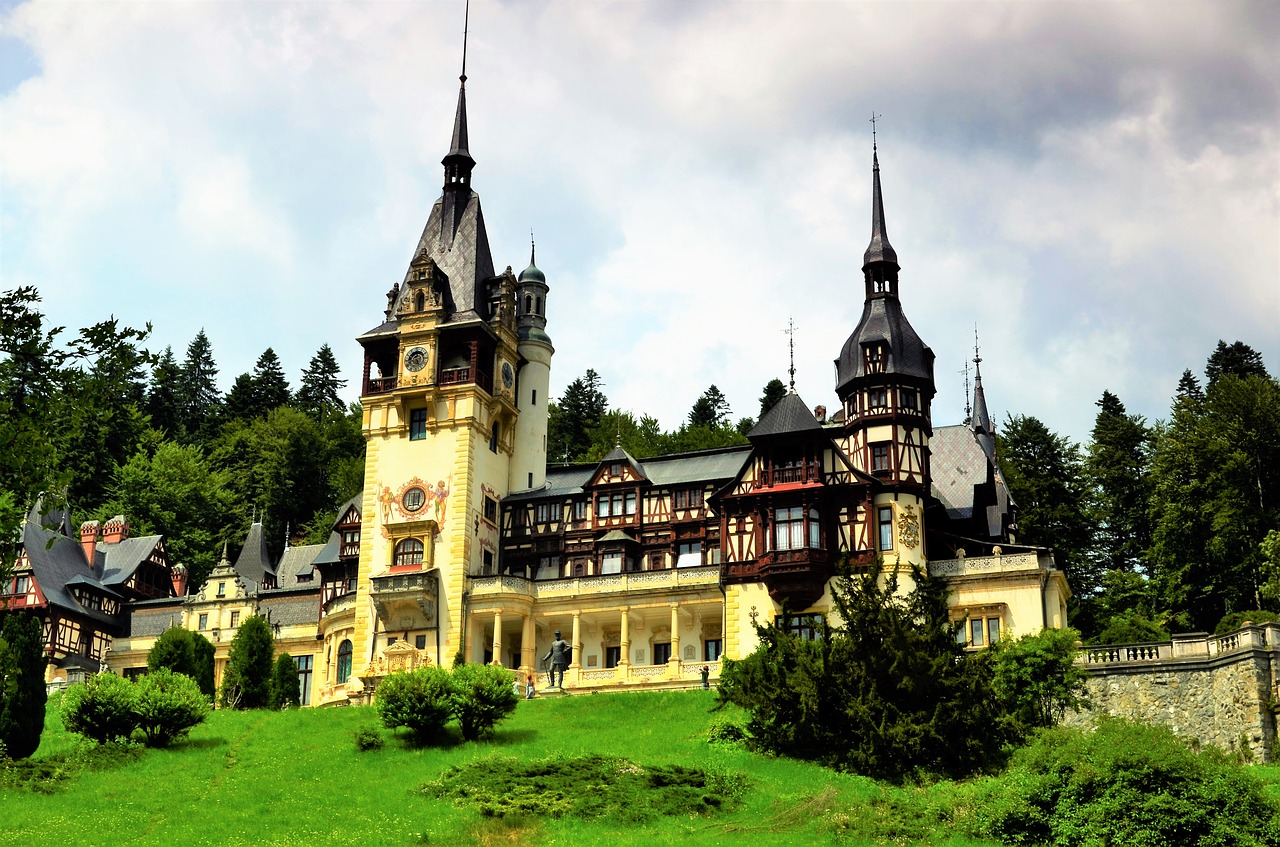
column 876, row 358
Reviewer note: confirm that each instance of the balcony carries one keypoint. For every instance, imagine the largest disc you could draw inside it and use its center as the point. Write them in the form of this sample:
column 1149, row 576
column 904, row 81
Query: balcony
column 380, row 385
column 803, row 474
column 465, row 375
column 798, row 576
column 545, row 589
column 406, row 593
column 339, row 604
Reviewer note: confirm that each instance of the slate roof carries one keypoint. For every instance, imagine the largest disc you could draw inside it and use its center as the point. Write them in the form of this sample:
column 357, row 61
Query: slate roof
column 146, row 619
column 291, row 609
column 57, row 562
column 117, row 562
column 299, row 561
column 254, row 562
column 788, row 415
column 721, row 463
column 879, row 250
column 959, row 463
column 884, row 321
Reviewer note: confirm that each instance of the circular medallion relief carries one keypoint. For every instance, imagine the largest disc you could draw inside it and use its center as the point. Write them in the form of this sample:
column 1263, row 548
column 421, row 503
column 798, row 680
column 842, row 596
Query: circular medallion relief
column 508, row 376
column 414, row 499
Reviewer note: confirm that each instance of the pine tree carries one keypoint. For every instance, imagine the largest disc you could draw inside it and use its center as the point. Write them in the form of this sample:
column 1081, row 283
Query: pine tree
column 318, row 394
column 199, row 401
column 22, row 691
column 571, row 420
column 774, row 390
column 284, row 683
column 1117, row 470
column 162, row 395
column 710, row 410
column 1235, row 358
column 271, row 389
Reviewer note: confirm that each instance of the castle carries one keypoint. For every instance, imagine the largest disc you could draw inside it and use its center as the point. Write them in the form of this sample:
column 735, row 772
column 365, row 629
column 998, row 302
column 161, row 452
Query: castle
column 463, row 543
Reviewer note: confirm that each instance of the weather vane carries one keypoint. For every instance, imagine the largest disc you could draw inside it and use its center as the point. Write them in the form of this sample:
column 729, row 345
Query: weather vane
column 874, row 118
column 791, row 341
column 466, row 17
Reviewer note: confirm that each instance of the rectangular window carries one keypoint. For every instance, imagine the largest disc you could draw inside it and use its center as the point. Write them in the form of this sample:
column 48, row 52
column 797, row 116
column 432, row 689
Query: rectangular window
column 490, row 510
column 548, row 567
column 975, row 632
column 886, row 527
column 222, row 589
column 711, row 649
column 661, row 653
column 486, row 557
column 993, row 630
column 713, row 555
column 543, row 512
column 21, row 585
column 907, row 397
column 304, row 679
column 630, row 503
column 420, row 641
column 615, row 469
column 880, row 457
column 878, row 398
column 235, row 619
column 204, row 622
column 689, row 554
column 534, row 401
column 804, row 627
column 612, row 655
column 417, row 424
column 602, row 506
column 788, row 528
column 689, row 498
column 611, row 563
column 580, row 510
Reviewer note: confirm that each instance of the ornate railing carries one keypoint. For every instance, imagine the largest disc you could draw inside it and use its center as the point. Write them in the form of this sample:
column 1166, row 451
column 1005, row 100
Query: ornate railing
column 1184, row 646
column 339, row 604
column 416, row 581
column 380, row 385
column 990, row 564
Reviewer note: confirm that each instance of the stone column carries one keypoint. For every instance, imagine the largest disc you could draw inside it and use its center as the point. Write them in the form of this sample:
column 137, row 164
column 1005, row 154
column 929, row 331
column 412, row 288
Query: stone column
column 624, row 661
column 527, row 648
column 675, row 639
column 497, row 638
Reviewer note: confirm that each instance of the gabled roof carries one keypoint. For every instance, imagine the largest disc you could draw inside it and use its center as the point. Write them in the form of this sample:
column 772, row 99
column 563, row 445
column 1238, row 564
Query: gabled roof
column 57, row 562
column 701, row 466
column 959, row 464
column 299, row 561
column 788, row 415
column 617, row 454
column 117, row 562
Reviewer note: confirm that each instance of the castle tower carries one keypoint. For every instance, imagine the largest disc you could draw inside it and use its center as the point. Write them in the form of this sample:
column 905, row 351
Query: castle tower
column 884, row 379
column 441, row 421
column 533, row 379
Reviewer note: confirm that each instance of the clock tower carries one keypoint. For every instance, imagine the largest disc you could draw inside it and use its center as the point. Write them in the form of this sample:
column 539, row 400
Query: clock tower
column 454, row 398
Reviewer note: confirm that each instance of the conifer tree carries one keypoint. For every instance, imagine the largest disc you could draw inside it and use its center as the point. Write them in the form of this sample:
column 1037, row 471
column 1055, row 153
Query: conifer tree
column 318, row 394
column 246, row 683
column 284, row 683
column 1117, row 468
column 774, row 390
column 162, row 395
column 199, row 401
column 22, row 691
column 710, row 410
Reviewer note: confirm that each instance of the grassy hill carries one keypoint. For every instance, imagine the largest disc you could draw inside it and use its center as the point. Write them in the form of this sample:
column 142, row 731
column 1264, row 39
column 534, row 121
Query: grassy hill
column 296, row 778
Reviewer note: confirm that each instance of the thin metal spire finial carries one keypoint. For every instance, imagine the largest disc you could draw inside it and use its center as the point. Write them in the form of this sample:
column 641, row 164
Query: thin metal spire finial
column 968, row 407
column 533, row 248
column 618, row 438
column 466, row 19
column 977, row 357
column 874, row 118
column 791, row 341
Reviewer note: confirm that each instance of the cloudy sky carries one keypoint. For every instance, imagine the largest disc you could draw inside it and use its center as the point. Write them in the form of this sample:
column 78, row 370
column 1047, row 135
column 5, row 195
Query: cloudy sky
column 1095, row 186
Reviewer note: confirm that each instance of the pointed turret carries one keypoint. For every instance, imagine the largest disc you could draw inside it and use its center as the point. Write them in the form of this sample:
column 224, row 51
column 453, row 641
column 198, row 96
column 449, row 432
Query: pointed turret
column 981, row 424
column 531, row 300
column 458, row 163
column 879, row 250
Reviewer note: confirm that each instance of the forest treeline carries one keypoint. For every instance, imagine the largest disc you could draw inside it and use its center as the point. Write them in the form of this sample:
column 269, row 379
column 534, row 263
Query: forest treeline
column 1160, row 526
column 104, row 426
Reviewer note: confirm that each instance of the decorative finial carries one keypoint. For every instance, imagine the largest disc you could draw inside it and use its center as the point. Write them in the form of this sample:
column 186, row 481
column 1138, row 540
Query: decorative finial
column 791, row 341
column 618, row 437
column 977, row 358
column 968, row 409
column 533, row 248
column 874, row 118
column 466, row 18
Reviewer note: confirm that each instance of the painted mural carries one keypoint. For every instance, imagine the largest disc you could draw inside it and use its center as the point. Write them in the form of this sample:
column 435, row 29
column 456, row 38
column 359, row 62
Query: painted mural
column 415, row 500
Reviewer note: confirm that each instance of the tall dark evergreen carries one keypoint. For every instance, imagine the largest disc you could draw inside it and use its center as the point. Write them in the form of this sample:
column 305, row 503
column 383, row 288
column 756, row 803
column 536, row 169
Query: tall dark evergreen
column 711, row 409
column 1117, row 469
column 254, row 395
column 774, row 390
column 162, row 402
column 246, row 684
column 1044, row 470
column 1235, row 358
column 571, row 420
column 199, row 400
column 1216, row 491
column 22, row 691
column 318, row 394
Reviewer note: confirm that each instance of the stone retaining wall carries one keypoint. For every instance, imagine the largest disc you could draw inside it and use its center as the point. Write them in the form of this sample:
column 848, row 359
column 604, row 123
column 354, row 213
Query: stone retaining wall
column 1217, row 690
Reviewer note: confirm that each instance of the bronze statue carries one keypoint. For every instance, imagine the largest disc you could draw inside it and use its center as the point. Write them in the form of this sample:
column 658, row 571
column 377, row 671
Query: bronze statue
column 559, row 658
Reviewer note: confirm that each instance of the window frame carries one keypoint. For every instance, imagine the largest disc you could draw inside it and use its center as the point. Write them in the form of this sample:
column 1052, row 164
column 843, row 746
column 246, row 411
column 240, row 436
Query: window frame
column 403, row 553
column 345, row 657
column 417, row 424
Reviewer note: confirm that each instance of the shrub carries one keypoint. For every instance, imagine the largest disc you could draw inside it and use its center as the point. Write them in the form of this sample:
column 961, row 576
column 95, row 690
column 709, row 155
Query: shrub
column 102, row 708
column 284, row 683
column 203, row 650
column 368, row 738
column 1131, row 627
column 174, row 649
column 726, row 731
column 22, row 690
column 482, row 696
column 1037, row 679
column 246, row 684
column 888, row 693
column 1125, row 783
column 168, row 705
column 418, row 700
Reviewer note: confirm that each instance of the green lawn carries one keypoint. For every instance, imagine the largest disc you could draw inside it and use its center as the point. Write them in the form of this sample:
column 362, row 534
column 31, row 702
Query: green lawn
column 285, row 778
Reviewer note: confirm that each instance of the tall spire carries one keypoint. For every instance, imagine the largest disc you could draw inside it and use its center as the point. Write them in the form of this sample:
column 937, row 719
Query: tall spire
column 458, row 162
column 981, row 421
column 880, row 261
column 791, row 340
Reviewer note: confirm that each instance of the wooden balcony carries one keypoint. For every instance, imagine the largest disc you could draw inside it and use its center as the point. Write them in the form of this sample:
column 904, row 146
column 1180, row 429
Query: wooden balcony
column 808, row 473
column 379, row 385
column 798, row 576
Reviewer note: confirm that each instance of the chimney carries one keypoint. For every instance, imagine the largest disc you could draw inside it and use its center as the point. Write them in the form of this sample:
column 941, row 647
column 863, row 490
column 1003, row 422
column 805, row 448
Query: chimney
column 179, row 576
column 820, row 412
column 115, row 531
column 89, row 539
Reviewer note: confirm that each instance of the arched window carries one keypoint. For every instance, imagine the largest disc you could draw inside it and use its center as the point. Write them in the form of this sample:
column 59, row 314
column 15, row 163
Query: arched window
column 493, row 438
column 419, row 301
column 408, row 552
column 528, row 304
column 539, row 306
column 344, row 661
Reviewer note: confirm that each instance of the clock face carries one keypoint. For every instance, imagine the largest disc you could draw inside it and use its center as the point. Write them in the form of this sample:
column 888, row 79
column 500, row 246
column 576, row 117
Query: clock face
column 507, row 375
column 416, row 359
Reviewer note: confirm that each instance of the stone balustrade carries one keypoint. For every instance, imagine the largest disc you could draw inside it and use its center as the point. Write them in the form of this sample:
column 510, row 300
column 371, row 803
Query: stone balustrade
column 545, row 589
column 1185, row 645
column 977, row 565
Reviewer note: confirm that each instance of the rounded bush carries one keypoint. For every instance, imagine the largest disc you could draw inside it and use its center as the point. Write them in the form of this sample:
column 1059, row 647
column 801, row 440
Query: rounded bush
column 103, row 708
column 419, row 700
column 168, row 705
column 482, row 696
